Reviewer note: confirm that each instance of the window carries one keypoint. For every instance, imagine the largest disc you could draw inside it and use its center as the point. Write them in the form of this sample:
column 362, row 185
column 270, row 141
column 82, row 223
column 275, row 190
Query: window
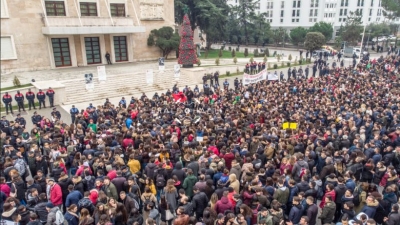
column 315, row 19
column 311, row 12
column 358, row 2
column 372, row 3
column 362, row 2
column 55, row 8
column 4, row 10
column 117, row 10
column 294, row 13
column 370, row 12
column 340, row 19
column 310, row 20
column 298, row 4
column 88, row 9
column 341, row 12
column 347, row 3
column 270, row 5
column 282, row 4
column 369, row 19
column 92, row 46
column 61, row 53
column 120, row 48
column 344, row 19
column 298, row 12
column 316, row 12
column 293, row 20
column 281, row 20
column 294, row 4
column 282, row 12
column 7, row 48
column 342, row 3
column 361, row 12
column 314, row 3
column 345, row 12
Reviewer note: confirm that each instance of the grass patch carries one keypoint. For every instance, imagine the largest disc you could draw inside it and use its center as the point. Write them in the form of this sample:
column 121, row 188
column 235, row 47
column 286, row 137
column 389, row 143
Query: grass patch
column 15, row 107
column 213, row 53
column 12, row 88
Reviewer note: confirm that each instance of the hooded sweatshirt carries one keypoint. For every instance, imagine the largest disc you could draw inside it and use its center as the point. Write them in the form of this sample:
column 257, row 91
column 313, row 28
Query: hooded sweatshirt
column 282, row 195
column 223, row 205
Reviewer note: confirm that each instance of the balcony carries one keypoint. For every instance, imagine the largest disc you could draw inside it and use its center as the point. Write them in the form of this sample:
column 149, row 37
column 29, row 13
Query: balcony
column 90, row 25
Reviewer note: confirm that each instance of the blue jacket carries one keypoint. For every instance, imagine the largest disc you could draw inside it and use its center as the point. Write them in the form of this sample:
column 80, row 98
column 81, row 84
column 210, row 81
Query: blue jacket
column 350, row 184
column 73, row 198
column 293, row 192
column 295, row 214
column 71, row 219
column 370, row 209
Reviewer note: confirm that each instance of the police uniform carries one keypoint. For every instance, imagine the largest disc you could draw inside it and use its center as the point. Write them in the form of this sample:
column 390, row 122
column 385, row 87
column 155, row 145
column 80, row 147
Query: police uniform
column 41, row 96
column 73, row 111
column 50, row 93
column 20, row 120
column 19, row 98
column 7, row 99
column 30, row 96
column 36, row 118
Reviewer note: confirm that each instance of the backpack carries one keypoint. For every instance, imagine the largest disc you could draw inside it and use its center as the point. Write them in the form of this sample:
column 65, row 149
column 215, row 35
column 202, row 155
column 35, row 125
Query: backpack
column 20, row 166
column 255, row 214
column 160, row 181
column 224, row 179
column 356, row 195
column 302, row 170
column 59, row 218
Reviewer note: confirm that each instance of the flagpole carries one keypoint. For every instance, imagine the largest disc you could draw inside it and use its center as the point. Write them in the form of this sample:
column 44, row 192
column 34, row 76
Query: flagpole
column 361, row 50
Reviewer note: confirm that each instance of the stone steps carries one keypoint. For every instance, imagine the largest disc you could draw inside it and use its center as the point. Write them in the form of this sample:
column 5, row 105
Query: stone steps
column 121, row 85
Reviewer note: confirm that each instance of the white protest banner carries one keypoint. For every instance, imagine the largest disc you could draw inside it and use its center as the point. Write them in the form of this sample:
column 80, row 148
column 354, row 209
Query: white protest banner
column 149, row 76
column 273, row 76
column 177, row 71
column 251, row 79
column 101, row 73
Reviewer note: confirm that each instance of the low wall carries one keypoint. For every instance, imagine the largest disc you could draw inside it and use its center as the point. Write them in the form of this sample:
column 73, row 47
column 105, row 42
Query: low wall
column 58, row 88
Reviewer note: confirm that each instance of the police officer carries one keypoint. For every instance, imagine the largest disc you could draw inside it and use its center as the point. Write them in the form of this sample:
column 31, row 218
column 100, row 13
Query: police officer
column 19, row 98
column 289, row 73
column 294, row 73
column 236, row 83
column 7, row 99
column 20, row 120
column 73, row 111
column 196, row 89
column 216, row 78
column 36, row 118
column 41, row 96
column 30, row 96
column 204, row 78
column 314, row 70
column 306, row 71
column 206, row 89
column 281, row 75
column 342, row 63
column 56, row 114
column 5, row 125
column 122, row 103
column 226, row 84
column 300, row 71
column 50, row 93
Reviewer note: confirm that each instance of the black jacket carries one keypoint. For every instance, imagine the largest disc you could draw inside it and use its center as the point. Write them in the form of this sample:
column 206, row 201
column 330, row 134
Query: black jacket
column 40, row 210
column 199, row 202
column 340, row 189
column 312, row 213
column 303, row 186
column 179, row 172
column 56, row 173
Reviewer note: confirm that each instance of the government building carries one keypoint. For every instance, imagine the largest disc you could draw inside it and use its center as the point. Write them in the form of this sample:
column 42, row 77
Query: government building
column 51, row 34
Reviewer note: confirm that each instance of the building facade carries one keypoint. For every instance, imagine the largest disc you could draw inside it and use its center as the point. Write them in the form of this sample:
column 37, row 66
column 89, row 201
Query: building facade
column 305, row 13
column 50, row 34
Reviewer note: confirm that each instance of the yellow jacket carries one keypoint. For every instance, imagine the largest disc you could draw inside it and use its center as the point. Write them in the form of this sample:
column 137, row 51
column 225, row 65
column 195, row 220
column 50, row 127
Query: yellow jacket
column 134, row 165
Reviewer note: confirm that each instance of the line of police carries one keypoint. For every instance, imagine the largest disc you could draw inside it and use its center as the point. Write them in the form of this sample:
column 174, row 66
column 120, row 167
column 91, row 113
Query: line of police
column 30, row 96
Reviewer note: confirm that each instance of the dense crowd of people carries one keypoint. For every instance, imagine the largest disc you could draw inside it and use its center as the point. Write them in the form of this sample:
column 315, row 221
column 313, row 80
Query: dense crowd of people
column 222, row 157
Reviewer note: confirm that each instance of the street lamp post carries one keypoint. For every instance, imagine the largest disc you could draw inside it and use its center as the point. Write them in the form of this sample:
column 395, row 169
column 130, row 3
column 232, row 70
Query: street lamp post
column 362, row 40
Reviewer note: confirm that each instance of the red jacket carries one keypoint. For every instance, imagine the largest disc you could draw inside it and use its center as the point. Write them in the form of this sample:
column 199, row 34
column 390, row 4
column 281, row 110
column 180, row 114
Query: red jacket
column 112, row 174
column 56, row 195
column 332, row 194
column 81, row 170
column 229, row 157
column 223, row 205
column 126, row 142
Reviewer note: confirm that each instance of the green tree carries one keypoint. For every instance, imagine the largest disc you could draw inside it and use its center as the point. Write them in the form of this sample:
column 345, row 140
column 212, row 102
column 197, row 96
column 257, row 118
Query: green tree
column 234, row 60
column 245, row 12
column 377, row 30
column 353, row 28
column 279, row 35
column 217, row 61
column 314, row 41
column 391, row 6
column 251, row 59
column 298, row 35
column 164, row 38
column 220, row 53
column 246, row 52
column 323, row 27
column 233, row 53
column 290, row 57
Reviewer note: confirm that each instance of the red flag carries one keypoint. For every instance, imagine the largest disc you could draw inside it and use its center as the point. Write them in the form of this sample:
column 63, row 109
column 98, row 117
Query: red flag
column 180, row 97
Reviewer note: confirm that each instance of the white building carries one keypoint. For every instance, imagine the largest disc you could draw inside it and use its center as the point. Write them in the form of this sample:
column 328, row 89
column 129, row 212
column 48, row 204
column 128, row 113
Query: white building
column 305, row 13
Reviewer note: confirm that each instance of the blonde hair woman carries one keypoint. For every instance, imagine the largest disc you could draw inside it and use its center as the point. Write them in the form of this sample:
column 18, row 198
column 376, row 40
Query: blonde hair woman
column 85, row 218
column 213, row 201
